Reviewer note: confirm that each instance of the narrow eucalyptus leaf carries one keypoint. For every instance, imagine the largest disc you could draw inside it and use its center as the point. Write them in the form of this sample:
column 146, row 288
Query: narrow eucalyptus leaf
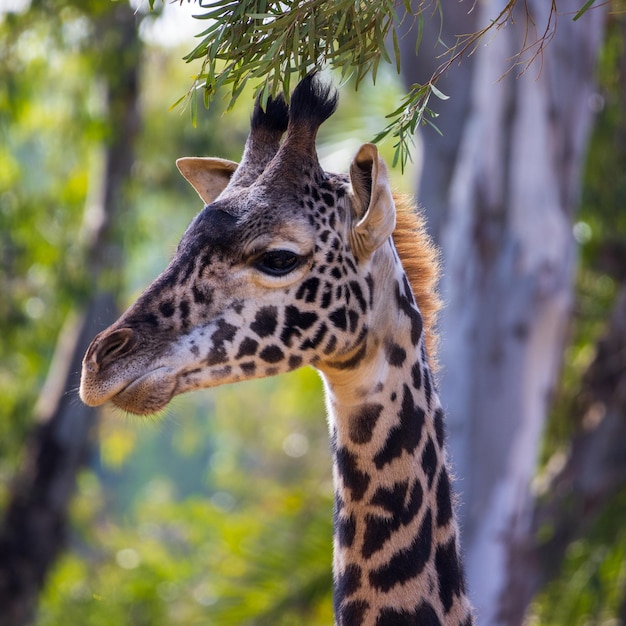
column 439, row 94
column 583, row 9
column 396, row 49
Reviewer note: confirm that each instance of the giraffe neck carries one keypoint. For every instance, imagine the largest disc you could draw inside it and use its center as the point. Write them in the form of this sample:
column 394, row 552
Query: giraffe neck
column 396, row 558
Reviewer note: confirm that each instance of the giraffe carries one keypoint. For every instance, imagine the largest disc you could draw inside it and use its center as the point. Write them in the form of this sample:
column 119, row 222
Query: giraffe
column 288, row 265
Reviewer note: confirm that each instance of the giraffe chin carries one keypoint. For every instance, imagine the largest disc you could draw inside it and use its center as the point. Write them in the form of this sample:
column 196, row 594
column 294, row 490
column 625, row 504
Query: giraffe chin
column 147, row 394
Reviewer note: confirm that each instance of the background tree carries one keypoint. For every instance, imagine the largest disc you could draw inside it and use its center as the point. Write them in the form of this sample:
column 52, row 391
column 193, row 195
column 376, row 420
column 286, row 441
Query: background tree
column 34, row 527
column 504, row 219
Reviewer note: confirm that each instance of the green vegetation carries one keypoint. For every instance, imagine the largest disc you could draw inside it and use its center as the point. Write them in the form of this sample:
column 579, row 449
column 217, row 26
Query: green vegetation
column 274, row 44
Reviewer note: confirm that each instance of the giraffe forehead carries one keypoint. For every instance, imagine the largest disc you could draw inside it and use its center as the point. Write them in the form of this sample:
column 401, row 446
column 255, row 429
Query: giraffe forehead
column 245, row 221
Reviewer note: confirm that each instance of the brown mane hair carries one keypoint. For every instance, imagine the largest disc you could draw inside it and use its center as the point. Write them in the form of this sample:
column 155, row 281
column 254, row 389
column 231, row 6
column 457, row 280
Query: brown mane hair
column 420, row 259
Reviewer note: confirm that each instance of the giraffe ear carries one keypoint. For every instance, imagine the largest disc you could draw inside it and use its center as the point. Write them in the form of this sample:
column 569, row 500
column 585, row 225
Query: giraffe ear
column 207, row 175
column 373, row 202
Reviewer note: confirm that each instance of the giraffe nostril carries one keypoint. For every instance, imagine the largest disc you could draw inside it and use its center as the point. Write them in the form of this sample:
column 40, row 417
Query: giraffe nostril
column 114, row 345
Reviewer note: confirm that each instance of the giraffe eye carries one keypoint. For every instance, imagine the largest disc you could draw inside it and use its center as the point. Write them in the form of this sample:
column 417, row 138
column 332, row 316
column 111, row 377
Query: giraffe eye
column 278, row 262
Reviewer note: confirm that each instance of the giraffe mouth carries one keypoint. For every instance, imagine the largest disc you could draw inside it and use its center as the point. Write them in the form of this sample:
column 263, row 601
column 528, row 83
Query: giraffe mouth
column 149, row 393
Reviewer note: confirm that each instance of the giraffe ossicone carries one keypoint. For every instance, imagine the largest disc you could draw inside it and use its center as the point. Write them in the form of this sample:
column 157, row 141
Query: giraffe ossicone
column 288, row 265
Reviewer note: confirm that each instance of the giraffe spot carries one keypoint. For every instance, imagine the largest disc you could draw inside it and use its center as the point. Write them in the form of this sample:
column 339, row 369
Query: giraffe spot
column 428, row 388
column 391, row 499
column 346, row 530
column 444, row 500
column 327, row 294
column 167, row 308
column 248, row 368
column 338, row 503
column 272, row 354
column 216, row 355
column 201, row 295
column 224, row 332
column 405, row 436
column 395, row 354
column 406, row 303
column 430, row 461
column 363, row 421
column 336, row 273
column 439, row 427
column 348, row 581
column 449, row 573
column 352, row 613
column 353, row 478
column 295, row 360
column 150, row 319
column 247, row 347
column 405, row 564
column 331, row 345
column 378, row 530
column 308, row 289
column 358, row 294
column 313, row 342
column 414, row 504
column 265, row 321
column 295, row 321
column 416, row 375
column 424, row 615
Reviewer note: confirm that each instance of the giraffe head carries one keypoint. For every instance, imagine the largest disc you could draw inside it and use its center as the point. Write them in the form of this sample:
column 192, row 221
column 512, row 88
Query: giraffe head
column 276, row 272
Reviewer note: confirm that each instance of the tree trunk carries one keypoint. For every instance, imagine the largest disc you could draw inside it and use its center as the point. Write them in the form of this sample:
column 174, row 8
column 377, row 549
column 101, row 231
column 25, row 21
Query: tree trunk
column 593, row 472
column 509, row 257
column 34, row 528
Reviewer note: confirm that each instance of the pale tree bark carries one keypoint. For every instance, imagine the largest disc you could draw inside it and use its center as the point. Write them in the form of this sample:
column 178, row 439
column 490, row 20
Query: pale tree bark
column 34, row 528
column 505, row 229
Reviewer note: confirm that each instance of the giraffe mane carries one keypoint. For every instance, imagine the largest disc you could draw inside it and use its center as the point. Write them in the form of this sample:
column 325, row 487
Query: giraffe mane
column 420, row 259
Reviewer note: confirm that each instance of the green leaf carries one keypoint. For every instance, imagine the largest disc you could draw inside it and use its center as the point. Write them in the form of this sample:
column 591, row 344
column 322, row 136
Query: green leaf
column 396, row 49
column 439, row 94
column 583, row 10
column 420, row 33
